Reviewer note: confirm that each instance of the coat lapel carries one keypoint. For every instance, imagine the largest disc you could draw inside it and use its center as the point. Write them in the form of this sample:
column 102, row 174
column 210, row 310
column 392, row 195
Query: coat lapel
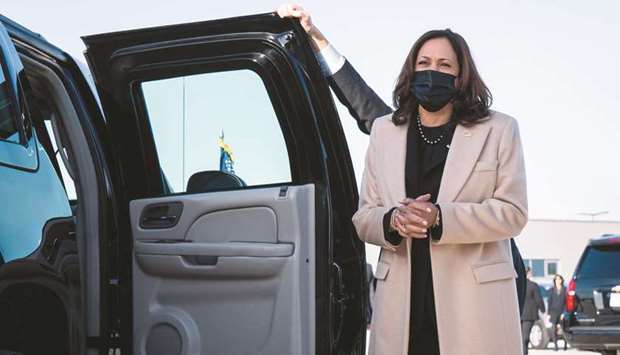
column 465, row 148
column 398, row 155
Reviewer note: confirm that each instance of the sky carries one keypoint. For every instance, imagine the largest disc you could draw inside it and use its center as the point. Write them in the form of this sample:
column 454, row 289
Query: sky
column 188, row 115
column 551, row 64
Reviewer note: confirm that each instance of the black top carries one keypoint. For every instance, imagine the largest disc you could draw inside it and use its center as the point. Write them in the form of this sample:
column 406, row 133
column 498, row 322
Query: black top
column 557, row 297
column 423, row 172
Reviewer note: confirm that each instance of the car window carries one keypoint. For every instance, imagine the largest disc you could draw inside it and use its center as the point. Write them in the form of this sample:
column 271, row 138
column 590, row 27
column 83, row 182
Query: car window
column 56, row 155
column 216, row 122
column 36, row 197
column 8, row 128
column 601, row 262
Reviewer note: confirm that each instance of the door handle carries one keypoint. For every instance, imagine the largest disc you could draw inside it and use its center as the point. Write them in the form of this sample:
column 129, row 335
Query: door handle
column 161, row 215
column 221, row 260
column 218, row 249
column 160, row 219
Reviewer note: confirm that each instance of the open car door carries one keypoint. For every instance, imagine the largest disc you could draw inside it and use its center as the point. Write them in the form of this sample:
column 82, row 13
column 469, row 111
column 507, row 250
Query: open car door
column 235, row 229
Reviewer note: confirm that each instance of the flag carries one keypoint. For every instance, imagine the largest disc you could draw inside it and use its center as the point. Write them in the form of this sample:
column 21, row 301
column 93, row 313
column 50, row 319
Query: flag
column 227, row 159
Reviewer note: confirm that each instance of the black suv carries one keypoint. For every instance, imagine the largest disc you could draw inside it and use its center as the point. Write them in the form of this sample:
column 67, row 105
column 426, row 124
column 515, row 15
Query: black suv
column 153, row 249
column 592, row 317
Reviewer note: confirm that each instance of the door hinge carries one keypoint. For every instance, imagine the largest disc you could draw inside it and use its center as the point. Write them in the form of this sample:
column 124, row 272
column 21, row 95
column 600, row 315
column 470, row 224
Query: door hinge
column 285, row 37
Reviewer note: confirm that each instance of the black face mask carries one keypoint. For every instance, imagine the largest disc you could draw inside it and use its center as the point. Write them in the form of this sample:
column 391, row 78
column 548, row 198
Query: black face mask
column 433, row 89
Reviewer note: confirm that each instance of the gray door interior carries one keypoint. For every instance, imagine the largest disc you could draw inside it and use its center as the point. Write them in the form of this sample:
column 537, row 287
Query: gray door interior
column 228, row 272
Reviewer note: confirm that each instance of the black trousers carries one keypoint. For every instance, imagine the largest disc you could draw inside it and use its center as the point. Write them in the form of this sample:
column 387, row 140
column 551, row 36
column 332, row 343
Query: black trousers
column 526, row 328
column 555, row 320
column 424, row 342
column 423, row 338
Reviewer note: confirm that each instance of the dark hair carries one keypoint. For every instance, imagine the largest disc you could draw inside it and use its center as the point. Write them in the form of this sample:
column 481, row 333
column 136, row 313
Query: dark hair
column 556, row 276
column 473, row 97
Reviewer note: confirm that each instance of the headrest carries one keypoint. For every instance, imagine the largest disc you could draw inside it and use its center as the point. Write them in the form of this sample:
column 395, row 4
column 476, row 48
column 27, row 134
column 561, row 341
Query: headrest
column 212, row 180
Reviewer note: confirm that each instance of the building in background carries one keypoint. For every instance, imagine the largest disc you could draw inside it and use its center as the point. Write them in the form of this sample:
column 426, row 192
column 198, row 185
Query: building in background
column 554, row 246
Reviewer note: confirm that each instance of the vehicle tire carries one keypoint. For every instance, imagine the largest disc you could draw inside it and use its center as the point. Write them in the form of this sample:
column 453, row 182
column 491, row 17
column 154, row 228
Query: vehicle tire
column 539, row 336
column 11, row 335
column 36, row 324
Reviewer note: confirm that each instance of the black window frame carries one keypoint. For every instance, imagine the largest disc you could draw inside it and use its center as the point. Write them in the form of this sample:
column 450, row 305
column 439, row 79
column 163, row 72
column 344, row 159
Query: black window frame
column 13, row 91
column 305, row 166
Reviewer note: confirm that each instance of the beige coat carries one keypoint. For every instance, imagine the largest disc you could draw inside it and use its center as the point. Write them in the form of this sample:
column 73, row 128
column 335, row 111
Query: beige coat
column 483, row 201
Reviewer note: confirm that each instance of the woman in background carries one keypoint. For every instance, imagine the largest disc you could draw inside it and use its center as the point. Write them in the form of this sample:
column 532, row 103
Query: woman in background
column 557, row 299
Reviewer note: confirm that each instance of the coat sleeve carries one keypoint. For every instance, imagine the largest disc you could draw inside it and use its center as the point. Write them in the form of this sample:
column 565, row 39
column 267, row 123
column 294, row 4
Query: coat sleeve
column 368, row 220
column 504, row 214
column 361, row 101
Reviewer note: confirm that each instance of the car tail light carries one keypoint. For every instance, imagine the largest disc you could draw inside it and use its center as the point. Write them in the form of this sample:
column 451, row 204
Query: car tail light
column 571, row 298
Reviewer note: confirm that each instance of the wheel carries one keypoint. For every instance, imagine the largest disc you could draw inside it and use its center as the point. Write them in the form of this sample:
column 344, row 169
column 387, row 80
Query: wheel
column 11, row 334
column 539, row 336
column 34, row 322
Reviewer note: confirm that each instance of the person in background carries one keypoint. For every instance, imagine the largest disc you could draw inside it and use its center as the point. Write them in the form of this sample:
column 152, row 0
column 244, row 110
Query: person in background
column 533, row 304
column 557, row 299
column 363, row 103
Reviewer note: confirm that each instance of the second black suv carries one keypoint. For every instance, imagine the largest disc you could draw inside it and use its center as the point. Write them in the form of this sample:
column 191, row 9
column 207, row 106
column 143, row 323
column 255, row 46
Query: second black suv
column 592, row 318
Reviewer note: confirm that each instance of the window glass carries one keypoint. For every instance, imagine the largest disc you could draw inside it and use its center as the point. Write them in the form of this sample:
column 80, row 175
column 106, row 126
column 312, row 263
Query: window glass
column 601, row 262
column 538, row 268
column 8, row 129
column 35, row 197
column 552, row 268
column 213, row 122
column 65, row 176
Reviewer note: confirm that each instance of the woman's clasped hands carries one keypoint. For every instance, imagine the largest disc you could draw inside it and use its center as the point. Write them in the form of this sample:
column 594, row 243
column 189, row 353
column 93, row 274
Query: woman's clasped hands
column 414, row 216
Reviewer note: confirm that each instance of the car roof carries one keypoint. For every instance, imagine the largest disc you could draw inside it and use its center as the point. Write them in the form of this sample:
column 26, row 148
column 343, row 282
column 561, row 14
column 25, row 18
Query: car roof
column 34, row 39
column 605, row 239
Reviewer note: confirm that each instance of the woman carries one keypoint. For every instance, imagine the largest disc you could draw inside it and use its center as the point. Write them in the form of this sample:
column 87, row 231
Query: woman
column 557, row 299
column 445, row 272
column 442, row 193
column 364, row 105
column 444, row 144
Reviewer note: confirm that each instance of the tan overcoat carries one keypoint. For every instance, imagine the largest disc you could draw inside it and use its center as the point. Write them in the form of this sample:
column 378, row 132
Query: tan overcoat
column 483, row 200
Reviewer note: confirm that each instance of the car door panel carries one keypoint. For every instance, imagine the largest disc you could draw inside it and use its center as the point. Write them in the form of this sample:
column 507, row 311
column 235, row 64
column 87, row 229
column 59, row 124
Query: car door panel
column 252, row 292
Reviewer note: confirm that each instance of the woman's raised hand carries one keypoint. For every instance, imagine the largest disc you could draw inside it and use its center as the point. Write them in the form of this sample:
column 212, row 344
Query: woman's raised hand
column 297, row 11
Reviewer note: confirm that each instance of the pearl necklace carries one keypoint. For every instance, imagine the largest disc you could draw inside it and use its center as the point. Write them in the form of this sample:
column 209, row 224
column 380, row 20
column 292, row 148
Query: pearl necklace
column 426, row 140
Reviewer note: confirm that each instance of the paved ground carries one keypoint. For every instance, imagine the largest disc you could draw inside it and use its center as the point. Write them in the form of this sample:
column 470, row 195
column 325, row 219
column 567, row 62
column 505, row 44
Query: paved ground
column 561, row 352
column 549, row 351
